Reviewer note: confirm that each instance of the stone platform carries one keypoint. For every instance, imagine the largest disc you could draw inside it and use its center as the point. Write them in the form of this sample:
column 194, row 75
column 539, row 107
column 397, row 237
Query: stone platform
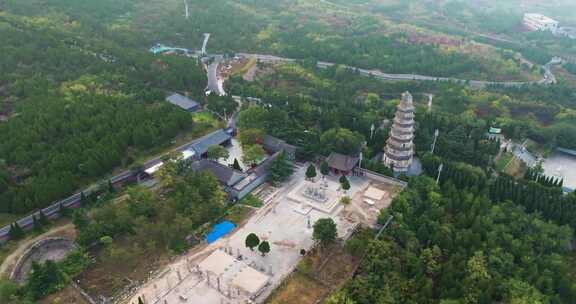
column 327, row 205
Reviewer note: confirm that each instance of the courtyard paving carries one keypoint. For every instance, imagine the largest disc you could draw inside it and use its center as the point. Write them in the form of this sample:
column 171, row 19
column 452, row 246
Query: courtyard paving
column 285, row 222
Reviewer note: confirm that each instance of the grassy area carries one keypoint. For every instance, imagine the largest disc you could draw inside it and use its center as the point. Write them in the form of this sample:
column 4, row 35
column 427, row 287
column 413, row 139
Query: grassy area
column 251, row 200
column 237, row 213
column 205, row 121
column 516, row 168
column 503, row 161
column 319, row 273
column 116, row 266
column 66, row 295
column 251, row 62
column 298, row 289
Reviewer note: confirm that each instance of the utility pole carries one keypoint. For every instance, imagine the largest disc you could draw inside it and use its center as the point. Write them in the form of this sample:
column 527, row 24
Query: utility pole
column 372, row 128
column 440, row 168
column 436, row 133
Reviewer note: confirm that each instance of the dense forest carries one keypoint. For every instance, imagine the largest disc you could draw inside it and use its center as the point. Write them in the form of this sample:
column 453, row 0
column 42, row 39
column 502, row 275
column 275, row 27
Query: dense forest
column 81, row 109
column 450, row 245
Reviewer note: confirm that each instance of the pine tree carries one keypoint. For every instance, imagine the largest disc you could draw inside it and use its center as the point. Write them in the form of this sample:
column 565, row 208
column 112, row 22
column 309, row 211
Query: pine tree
column 36, row 226
column 43, row 219
column 82, row 199
column 111, row 188
column 324, row 168
column 16, row 232
column 311, row 172
column 236, row 165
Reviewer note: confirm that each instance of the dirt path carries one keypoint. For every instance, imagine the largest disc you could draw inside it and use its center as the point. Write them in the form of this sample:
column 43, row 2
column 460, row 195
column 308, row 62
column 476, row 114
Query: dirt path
column 66, row 230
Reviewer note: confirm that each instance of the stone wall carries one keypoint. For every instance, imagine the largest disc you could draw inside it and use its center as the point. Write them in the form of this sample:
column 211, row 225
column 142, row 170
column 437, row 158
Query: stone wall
column 54, row 249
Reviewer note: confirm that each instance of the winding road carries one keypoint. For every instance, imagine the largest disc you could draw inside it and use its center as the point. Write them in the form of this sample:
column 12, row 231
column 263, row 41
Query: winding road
column 547, row 79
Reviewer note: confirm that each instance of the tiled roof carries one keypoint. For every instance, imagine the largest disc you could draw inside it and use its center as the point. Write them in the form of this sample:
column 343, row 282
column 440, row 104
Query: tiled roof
column 274, row 144
column 226, row 175
column 182, row 101
column 215, row 138
column 342, row 162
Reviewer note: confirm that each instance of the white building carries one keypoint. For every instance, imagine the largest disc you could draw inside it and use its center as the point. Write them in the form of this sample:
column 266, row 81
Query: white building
column 539, row 22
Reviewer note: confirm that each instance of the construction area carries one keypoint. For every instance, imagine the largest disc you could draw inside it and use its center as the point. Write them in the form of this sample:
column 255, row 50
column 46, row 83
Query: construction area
column 227, row 272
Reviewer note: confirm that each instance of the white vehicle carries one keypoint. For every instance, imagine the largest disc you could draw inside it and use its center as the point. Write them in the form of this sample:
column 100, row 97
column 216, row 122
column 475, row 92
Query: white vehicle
column 369, row 202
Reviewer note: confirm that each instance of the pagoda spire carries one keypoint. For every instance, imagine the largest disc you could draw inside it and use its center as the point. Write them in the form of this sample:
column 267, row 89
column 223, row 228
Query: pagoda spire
column 399, row 150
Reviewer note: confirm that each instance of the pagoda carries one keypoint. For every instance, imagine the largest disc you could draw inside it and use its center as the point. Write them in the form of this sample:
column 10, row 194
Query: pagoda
column 399, row 150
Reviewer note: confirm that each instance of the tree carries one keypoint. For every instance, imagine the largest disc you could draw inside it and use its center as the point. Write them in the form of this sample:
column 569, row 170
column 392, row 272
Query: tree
column 45, row 279
column 252, row 241
column 216, row 152
column 324, row 231
column 250, row 137
column 346, row 201
column 36, row 226
column 264, row 248
column 252, row 118
column 222, row 105
column 236, row 165
column 111, row 188
column 16, row 232
column 43, row 219
column 140, row 301
column 324, row 168
column 311, row 172
column 253, row 154
column 280, row 169
column 341, row 140
column 344, row 183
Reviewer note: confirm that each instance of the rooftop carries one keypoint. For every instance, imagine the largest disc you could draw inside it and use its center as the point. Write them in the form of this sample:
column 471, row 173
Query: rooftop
column 342, row 162
column 182, row 101
column 274, row 144
column 224, row 174
column 215, row 138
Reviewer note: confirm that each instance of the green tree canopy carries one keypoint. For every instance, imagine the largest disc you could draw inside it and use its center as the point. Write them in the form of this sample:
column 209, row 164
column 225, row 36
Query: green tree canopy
column 264, row 248
column 253, row 154
column 325, row 231
column 311, row 171
column 280, row 169
column 252, row 241
column 250, row 137
column 341, row 140
column 216, row 152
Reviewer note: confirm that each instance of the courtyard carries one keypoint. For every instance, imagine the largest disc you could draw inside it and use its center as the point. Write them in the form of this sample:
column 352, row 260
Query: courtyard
column 286, row 221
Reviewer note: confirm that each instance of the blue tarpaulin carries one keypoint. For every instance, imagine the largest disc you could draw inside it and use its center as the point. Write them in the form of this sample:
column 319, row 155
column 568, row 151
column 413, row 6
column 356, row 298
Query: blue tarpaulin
column 219, row 230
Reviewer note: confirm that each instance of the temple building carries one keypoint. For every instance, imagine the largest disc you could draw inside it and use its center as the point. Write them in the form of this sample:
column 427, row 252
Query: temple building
column 399, row 150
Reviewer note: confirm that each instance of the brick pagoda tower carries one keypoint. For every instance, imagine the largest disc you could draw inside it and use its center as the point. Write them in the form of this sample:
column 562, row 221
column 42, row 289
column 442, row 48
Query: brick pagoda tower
column 399, row 150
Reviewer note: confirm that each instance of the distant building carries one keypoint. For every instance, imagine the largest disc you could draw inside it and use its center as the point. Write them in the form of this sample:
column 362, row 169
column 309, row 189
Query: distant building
column 183, row 102
column 566, row 31
column 399, row 150
column 273, row 145
column 341, row 164
column 539, row 22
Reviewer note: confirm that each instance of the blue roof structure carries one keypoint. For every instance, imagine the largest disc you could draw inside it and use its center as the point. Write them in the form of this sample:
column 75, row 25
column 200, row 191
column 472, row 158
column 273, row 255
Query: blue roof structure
column 219, row 230
column 215, row 138
column 183, row 102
